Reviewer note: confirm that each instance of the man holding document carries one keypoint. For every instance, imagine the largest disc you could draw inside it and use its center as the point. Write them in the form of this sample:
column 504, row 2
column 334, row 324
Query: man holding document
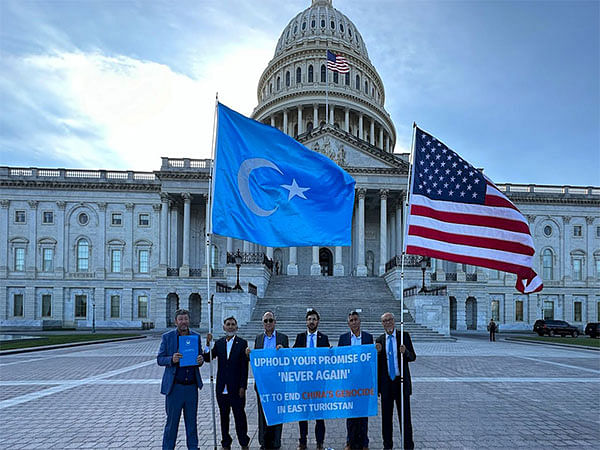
column 180, row 357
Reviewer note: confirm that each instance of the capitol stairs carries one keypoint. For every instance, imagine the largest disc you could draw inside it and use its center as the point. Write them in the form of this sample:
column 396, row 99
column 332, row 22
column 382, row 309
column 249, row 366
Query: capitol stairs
column 289, row 297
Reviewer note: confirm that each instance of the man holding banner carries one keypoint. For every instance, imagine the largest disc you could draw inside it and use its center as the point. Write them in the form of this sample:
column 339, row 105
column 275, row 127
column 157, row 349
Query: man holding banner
column 357, row 429
column 309, row 339
column 390, row 383
column 269, row 437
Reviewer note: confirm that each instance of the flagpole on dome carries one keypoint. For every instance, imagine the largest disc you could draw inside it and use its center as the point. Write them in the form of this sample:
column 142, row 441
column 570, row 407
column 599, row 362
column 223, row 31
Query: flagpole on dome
column 406, row 206
column 209, row 200
column 326, row 85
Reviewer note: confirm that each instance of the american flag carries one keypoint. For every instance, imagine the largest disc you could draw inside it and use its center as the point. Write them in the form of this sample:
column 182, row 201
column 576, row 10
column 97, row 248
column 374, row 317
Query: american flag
column 457, row 214
column 337, row 63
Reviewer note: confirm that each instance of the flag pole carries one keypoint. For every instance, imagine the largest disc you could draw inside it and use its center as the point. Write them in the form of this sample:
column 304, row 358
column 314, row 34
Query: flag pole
column 326, row 87
column 406, row 205
column 210, row 196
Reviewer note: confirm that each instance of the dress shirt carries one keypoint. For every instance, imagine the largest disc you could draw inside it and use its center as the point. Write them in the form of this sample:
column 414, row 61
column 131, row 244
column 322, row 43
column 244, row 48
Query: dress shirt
column 355, row 340
column 309, row 337
column 394, row 350
column 270, row 341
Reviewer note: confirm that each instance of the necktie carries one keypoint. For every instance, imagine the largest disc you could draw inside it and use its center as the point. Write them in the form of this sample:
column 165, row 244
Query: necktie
column 390, row 357
column 312, row 340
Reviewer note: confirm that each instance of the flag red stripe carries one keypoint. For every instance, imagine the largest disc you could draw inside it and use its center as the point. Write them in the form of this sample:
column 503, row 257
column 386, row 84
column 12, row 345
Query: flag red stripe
column 470, row 219
column 473, row 241
column 503, row 202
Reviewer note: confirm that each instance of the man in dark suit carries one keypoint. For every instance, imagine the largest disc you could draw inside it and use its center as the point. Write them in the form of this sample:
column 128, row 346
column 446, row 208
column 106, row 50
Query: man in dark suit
column 268, row 437
column 311, row 338
column 179, row 384
column 390, row 382
column 357, row 429
column 232, row 381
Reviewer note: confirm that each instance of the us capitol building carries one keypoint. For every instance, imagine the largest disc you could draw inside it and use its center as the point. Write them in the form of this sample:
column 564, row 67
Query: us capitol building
column 124, row 249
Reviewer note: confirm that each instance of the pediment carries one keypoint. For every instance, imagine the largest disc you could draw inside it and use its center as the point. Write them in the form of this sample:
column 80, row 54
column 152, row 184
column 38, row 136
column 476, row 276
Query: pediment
column 350, row 152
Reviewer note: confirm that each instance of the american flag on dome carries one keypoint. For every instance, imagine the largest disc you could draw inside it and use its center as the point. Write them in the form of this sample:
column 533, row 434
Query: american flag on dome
column 457, row 214
column 337, row 63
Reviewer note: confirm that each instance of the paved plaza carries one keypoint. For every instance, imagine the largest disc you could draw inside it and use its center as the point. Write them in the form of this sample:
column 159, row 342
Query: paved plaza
column 467, row 394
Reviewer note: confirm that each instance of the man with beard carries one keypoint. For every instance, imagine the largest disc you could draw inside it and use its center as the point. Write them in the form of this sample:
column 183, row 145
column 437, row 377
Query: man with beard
column 232, row 381
column 391, row 387
column 268, row 437
column 357, row 429
column 179, row 384
column 311, row 338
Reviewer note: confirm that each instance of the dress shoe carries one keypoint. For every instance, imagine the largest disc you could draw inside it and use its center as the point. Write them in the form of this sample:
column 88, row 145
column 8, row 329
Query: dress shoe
column 319, row 446
column 301, row 447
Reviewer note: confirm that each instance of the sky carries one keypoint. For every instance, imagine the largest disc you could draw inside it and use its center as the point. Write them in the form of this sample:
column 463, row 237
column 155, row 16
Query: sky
column 512, row 86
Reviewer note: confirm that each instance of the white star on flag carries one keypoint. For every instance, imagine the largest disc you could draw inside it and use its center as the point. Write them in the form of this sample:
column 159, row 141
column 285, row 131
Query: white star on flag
column 295, row 190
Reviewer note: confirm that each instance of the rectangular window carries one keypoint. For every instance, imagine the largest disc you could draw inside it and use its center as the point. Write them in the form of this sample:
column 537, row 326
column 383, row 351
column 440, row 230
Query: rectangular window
column 19, row 259
column 48, row 260
column 80, row 306
column 115, row 306
column 46, row 305
column 598, row 269
column 47, row 217
column 577, row 231
column 496, row 310
column 116, row 219
column 144, row 263
column 142, row 306
column 598, row 232
column 115, row 260
column 519, row 311
column 18, row 305
column 144, row 220
column 577, row 276
column 598, row 311
column 20, row 216
column 577, row 311
column 548, row 310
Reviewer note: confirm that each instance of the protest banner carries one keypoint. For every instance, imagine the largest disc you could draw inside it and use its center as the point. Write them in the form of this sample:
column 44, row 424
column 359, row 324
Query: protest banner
column 316, row 383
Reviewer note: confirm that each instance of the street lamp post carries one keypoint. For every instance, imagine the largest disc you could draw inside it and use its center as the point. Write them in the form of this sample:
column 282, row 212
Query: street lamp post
column 424, row 261
column 238, row 264
column 93, row 317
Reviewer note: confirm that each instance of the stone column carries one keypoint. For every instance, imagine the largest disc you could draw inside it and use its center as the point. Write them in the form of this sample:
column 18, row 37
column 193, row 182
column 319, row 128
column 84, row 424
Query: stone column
column 207, row 264
column 387, row 144
column 331, row 114
column 31, row 253
column 62, row 247
column 361, row 268
column 273, row 121
column 300, row 126
column 164, row 236
column 338, row 267
column 315, row 268
column 315, row 116
column 229, row 245
column 360, row 126
column 380, row 138
column 102, row 263
column 285, row 121
column 246, row 247
column 372, row 133
column 4, row 256
column 174, row 237
column 383, row 194
column 399, row 226
column 347, row 119
column 292, row 268
column 392, row 234
column 129, row 226
column 184, row 271
column 270, row 252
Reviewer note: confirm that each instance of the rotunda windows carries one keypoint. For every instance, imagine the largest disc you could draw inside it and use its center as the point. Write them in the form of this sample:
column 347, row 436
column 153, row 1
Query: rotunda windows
column 341, row 27
column 278, row 83
column 332, row 25
column 323, row 73
column 313, row 23
column 295, row 29
column 310, row 74
column 336, row 77
column 287, row 78
column 298, row 75
column 347, row 82
column 350, row 31
column 322, row 23
column 358, row 82
column 303, row 25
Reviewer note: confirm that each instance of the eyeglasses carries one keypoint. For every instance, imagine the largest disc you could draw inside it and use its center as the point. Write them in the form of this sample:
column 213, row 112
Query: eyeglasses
column 268, row 320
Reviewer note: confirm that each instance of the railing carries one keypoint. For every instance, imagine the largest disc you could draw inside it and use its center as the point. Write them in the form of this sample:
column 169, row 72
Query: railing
column 251, row 258
column 549, row 189
column 77, row 174
column 197, row 273
column 217, row 272
column 185, row 163
column 451, row 276
column 415, row 290
column 252, row 289
column 471, row 277
column 409, row 261
column 223, row 288
column 172, row 271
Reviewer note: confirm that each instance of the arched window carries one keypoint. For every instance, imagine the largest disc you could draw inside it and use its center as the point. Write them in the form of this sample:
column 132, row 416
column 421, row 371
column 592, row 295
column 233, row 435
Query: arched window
column 313, row 23
column 214, row 256
column 323, row 73
column 336, row 77
column 278, row 83
column 347, row 81
column 332, row 25
column 270, row 88
column 298, row 75
column 322, row 23
column 310, row 74
column 83, row 255
column 366, row 87
column 547, row 264
column 287, row 78
column 357, row 82
column 309, row 127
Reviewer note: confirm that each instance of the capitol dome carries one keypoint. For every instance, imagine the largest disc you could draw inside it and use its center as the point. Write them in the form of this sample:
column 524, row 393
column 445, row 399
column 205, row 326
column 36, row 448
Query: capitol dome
column 297, row 93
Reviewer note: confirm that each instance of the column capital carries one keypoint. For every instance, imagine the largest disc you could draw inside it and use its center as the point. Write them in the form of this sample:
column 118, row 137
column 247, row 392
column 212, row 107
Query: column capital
column 164, row 197
column 102, row 206
column 589, row 220
column 156, row 207
column 33, row 204
column 129, row 206
column 61, row 205
column 4, row 203
column 187, row 197
column 362, row 192
column 383, row 193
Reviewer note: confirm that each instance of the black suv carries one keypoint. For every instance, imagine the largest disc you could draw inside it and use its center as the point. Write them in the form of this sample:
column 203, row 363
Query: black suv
column 592, row 329
column 554, row 327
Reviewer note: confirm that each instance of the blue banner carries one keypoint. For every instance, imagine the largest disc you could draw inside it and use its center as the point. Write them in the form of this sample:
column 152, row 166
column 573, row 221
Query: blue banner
column 316, row 383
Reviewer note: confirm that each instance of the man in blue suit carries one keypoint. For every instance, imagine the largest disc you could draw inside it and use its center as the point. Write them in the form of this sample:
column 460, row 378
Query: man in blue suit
column 311, row 338
column 357, row 429
column 232, row 381
column 179, row 384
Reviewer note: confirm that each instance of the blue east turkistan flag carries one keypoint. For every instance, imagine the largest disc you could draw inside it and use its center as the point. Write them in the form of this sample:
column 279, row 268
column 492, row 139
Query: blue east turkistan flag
column 272, row 190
